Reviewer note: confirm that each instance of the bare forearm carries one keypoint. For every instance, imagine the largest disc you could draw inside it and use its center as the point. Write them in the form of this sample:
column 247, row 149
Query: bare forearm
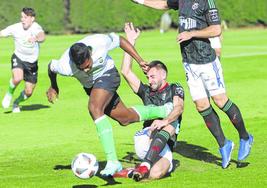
column 127, row 61
column 175, row 113
column 129, row 48
column 208, row 32
column 156, row 4
column 40, row 37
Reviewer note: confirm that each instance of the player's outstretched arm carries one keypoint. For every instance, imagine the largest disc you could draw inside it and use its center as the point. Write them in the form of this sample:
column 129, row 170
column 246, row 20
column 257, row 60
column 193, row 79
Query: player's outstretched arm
column 53, row 90
column 178, row 108
column 208, row 32
column 129, row 48
column 126, row 68
column 156, row 4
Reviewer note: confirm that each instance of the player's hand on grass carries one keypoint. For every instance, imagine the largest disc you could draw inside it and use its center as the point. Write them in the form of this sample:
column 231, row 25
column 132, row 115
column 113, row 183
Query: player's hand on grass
column 131, row 32
column 52, row 94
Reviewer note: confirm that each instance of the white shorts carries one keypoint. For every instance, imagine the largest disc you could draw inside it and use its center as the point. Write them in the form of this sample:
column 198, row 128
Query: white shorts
column 215, row 42
column 142, row 143
column 204, row 80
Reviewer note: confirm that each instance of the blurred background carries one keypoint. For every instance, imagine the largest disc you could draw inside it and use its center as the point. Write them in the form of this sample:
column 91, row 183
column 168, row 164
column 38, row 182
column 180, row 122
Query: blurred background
column 90, row 16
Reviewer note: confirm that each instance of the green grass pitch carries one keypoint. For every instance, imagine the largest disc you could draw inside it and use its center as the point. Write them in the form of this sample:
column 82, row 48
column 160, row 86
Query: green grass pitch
column 38, row 144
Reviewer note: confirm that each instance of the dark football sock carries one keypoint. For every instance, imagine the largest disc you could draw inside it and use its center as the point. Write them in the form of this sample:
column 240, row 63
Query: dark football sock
column 235, row 116
column 157, row 145
column 213, row 123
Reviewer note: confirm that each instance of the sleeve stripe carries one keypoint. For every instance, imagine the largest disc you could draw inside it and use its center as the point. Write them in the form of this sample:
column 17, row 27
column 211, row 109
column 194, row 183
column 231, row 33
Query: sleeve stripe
column 211, row 3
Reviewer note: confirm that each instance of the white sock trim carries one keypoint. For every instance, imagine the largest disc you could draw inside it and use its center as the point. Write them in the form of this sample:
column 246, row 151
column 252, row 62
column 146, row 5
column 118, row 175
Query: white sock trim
column 100, row 118
column 140, row 117
column 11, row 83
column 140, row 1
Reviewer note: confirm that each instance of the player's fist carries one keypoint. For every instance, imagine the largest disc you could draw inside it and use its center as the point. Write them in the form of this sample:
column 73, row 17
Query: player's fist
column 51, row 95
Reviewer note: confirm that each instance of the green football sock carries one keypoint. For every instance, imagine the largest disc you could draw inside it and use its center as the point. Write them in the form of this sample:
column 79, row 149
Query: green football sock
column 22, row 97
column 104, row 130
column 150, row 112
column 11, row 87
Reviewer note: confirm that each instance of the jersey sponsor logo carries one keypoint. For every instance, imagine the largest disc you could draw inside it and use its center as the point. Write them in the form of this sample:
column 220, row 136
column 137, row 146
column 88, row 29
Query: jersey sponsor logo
column 213, row 15
column 187, row 23
column 195, row 6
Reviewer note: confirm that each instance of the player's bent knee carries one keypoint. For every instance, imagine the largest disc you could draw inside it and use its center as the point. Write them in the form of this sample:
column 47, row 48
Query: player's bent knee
column 95, row 111
column 220, row 101
column 28, row 92
column 17, row 81
column 123, row 121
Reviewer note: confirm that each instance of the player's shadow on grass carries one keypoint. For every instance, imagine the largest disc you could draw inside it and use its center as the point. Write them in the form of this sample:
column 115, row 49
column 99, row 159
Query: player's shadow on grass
column 202, row 154
column 110, row 180
column 31, row 107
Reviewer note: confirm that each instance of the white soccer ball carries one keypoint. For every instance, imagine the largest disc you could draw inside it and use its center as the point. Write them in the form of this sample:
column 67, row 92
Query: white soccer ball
column 84, row 165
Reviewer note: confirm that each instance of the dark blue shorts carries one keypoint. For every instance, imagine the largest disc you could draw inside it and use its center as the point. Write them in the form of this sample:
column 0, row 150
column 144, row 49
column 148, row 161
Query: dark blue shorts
column 109, row 81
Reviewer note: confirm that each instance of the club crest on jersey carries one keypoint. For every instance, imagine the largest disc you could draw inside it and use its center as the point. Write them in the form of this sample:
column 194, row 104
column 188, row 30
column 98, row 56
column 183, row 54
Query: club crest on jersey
column 14, row 62
column 163, row 97
column 100, row 60
column 195, row 6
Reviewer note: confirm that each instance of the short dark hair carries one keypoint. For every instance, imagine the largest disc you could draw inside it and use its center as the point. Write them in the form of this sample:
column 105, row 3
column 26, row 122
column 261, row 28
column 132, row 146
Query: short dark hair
column 79, row 52
column 29, row 11
column 158, row 64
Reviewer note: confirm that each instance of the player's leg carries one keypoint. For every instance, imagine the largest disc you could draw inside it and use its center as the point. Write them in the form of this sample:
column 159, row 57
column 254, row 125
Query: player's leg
column 24, row 95
column 211, row 120
column 159, row 169
column 17, row 77
column 201, row 81
column 234, row 114
column 214, row 84
column 102, row 97
column 30, row 74
column 164, row 165
column 99, row 100
column 225, row 104
column 200, row 97
column 143, row 147
column 137, row 113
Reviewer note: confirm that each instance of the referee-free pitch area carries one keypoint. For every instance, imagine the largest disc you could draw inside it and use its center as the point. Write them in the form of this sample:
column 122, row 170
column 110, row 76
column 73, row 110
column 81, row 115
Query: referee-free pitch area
column 38, row 144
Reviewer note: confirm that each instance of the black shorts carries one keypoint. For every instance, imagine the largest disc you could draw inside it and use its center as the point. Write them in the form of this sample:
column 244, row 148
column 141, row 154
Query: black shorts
column 109, row 81
column 30, row 70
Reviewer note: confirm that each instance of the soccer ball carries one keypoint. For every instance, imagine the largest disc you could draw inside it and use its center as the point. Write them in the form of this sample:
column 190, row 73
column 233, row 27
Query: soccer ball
column 84, row 165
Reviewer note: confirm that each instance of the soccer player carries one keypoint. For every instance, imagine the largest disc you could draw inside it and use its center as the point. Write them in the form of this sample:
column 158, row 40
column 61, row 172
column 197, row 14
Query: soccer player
column 27, row 35
column 88, row 61
column 198, row 21
column 156, row 153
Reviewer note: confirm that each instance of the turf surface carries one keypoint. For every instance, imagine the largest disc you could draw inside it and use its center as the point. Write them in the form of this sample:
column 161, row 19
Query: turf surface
column 38, row 144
